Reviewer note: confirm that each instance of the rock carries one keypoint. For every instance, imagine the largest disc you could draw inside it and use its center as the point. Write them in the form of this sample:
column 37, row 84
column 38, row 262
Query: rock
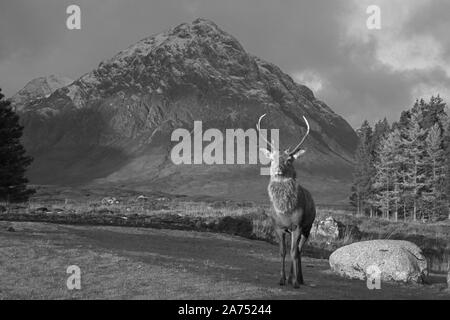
column 397, row 260
column 41, row 209
column 332, row 229
column 142, row 198
column 328, row 228
column 108, row 201
column 11, row 229
column 2, row 209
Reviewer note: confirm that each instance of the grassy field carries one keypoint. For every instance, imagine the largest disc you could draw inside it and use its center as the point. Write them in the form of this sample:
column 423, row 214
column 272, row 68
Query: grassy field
column 144, row 263
column 204, row 213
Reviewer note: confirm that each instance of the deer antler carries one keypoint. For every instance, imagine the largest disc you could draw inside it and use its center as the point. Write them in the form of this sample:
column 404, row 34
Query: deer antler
column 301, row 142
column 258, row 128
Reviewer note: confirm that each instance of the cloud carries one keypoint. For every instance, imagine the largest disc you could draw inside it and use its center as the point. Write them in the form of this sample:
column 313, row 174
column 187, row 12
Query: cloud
column 388, row 69
column 309, row 78
column 416, row 53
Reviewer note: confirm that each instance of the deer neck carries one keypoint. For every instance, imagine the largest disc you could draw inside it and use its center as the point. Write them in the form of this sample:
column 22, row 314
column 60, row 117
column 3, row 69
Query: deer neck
column 283, row 194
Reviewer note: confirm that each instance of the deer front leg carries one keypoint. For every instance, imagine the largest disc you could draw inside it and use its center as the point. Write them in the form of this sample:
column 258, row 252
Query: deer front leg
column 290, row 273
column 295, row 238
column 282, row 243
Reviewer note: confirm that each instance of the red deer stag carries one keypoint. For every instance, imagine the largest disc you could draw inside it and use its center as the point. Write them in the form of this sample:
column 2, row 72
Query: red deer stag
column 294, row 209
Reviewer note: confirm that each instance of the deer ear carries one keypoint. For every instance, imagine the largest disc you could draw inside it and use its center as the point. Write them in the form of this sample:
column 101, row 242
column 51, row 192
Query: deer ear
column 266, row 153
column 298, row 153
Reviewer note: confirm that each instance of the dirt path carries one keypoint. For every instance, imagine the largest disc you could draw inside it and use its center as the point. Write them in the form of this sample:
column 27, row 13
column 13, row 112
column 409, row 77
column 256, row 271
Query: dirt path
column 135, row 263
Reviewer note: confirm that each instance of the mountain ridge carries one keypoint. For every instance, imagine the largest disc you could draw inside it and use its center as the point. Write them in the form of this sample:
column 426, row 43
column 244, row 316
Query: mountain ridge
column 121, row 114
column 39, row 88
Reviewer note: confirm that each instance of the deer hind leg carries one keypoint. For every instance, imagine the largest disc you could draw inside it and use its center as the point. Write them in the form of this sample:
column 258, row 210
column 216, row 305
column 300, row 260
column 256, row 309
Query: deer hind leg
column 295, row 254
column 282, row 243
column 303, row 239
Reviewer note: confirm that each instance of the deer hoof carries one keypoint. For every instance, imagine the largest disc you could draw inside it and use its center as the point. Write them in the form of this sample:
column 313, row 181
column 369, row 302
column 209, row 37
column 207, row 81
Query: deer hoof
column 282, row 282
column 296, row 285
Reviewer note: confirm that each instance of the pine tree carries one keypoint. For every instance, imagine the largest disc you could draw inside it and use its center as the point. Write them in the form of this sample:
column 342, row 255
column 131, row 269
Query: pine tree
column 380, row 131
column 446, row 143
column 414, row 166
column 399, row 173
column 432, row 112
column 434, row 195
column 386, row 180
column 362, row 175
column 13, row 161
column 405, row 118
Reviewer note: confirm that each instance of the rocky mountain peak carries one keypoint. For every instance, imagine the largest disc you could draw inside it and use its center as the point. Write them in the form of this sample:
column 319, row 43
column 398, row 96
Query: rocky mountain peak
column 115, row 122
column 186, row 39
column 39, row 88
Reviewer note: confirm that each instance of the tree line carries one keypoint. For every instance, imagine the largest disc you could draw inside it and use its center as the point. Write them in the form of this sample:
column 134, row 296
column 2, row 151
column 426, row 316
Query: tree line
column 402, row 171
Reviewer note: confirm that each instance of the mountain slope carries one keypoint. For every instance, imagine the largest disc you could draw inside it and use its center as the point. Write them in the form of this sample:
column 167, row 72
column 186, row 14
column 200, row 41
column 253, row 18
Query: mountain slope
column 39, row 88
column 113, row 125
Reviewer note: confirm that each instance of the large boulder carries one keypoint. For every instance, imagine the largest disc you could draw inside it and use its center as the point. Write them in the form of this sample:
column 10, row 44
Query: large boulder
column 396, row 260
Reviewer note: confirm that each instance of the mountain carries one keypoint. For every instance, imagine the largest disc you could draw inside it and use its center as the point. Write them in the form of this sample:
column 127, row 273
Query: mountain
column 39, row 88
column 113, row 125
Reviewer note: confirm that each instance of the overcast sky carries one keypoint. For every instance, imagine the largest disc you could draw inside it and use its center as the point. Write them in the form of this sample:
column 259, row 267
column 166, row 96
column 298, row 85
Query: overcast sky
column 359, row 73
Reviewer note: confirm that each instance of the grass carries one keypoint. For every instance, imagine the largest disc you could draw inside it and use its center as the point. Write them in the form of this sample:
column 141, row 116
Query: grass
column 34, row 263
column 136, row 263
column 242, row 218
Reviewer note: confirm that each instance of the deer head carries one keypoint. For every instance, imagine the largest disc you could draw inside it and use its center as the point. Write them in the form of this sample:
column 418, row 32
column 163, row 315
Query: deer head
column 281, row 164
